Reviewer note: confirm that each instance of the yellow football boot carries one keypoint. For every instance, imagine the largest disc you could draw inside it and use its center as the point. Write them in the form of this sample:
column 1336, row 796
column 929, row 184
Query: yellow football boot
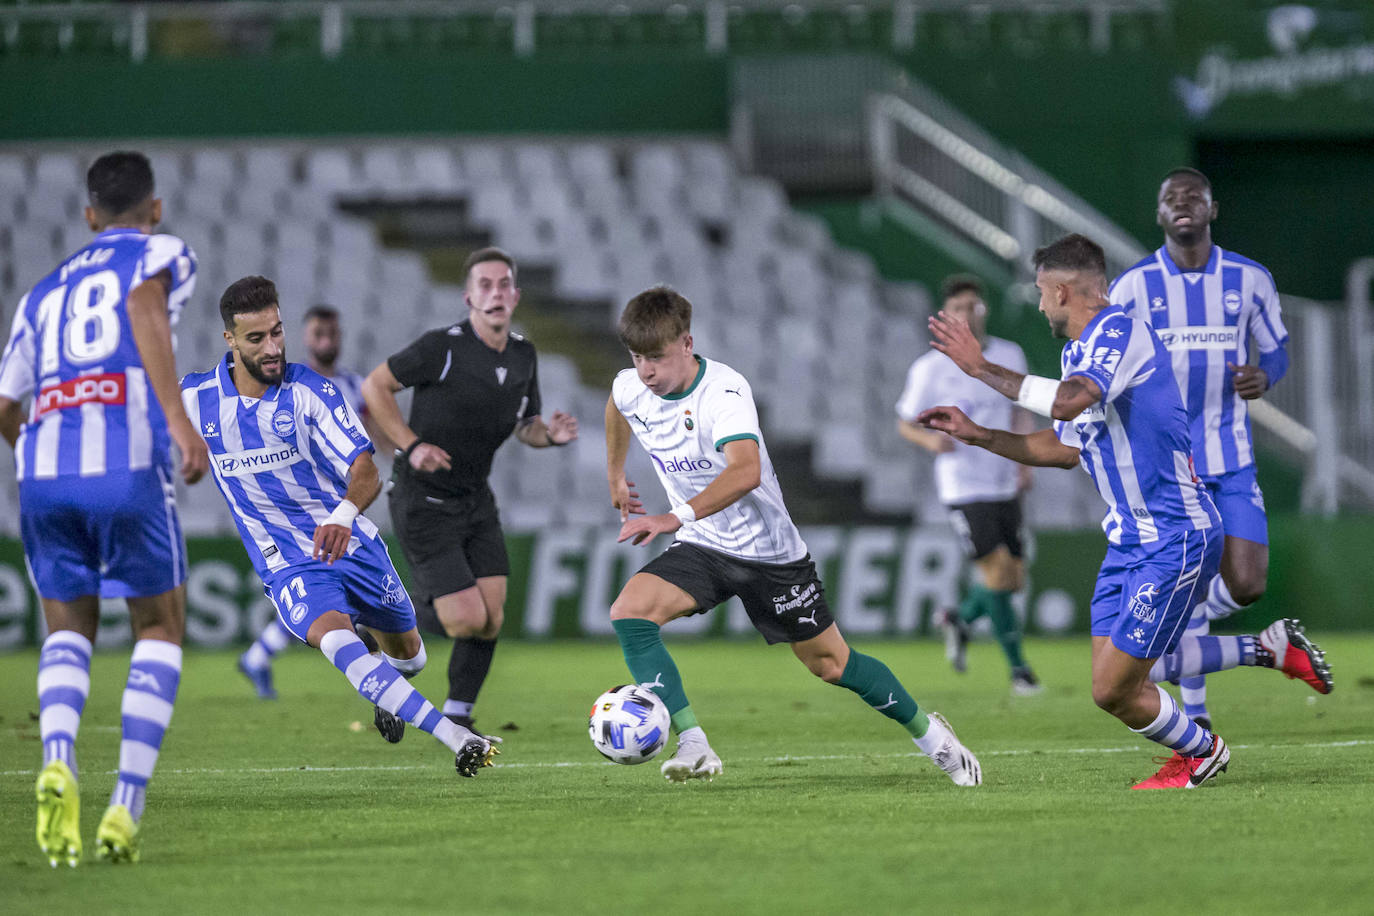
column 117, row 835
column 59, row 814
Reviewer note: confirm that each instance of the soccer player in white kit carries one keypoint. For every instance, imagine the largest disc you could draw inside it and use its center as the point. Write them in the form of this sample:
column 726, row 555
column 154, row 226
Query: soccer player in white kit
column 981, row 490
column 1210, row 307
column 697, row 420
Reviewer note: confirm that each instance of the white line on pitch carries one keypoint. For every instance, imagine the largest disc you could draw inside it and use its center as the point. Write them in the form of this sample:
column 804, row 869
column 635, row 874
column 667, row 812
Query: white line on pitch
column 788, row 758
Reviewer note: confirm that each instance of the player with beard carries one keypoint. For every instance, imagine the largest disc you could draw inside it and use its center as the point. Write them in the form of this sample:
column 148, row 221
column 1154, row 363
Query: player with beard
column 292, row 461
column 1211, row 308
column 322, row 338
column 476, row 383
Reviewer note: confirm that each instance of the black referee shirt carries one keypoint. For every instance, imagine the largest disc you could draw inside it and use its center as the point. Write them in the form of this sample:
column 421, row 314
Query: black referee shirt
column 468, row 400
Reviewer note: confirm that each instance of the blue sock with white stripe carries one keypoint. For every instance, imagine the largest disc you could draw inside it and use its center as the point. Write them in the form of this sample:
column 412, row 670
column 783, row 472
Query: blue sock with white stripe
column 1193, row 690
column 64, row 682
column 154, row 675
column 1176, row 731
column 273, row 638
column 1197, row 655
column 378, row 682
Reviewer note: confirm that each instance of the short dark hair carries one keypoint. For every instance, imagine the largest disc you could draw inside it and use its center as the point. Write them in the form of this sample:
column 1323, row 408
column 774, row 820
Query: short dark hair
column 118, row 182
column 955, row 284
column 1185, row 170
column 482, row 255
column 249, row 294
column 1072, row 252
column 654, row 319
column 320, row 312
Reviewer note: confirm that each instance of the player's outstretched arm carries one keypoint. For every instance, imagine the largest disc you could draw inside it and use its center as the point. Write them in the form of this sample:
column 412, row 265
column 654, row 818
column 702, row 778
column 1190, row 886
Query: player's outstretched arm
column 743, row 473
column 560, row 430
column 934, row 442
column 1038, row 449
column 153, row 337
column 623, row 495
column 332, row 535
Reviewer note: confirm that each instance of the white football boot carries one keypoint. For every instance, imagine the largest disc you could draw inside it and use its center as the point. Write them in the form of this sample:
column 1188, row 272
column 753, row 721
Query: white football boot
column 946, row 751
column 693, row 759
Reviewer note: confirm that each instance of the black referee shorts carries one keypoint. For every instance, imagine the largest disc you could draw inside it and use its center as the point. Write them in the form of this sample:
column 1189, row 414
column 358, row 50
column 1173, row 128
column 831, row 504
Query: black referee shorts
column 785, row 601
column 449, row 543
column 984, row 527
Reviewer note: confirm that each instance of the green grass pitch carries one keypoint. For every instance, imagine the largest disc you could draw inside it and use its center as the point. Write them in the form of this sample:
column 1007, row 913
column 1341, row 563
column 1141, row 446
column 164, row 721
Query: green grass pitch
column 823, row 806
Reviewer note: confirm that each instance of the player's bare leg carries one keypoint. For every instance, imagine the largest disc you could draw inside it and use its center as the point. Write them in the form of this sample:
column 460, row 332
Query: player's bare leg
column 1122, row 687
column 380, row 682
column 63, row 684
column 831, row 659
column 645, row 604
column 473, row 617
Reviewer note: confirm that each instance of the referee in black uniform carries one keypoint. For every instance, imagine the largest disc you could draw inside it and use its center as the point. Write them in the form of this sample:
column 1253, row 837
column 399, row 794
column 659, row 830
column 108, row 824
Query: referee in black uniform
column 475, row 383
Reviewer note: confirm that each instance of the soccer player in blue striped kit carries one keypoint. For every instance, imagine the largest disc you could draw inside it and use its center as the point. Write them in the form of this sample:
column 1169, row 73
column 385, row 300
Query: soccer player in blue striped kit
column 1210, row 306
column 1117, row 412
column 291, row 458
column 92, row 343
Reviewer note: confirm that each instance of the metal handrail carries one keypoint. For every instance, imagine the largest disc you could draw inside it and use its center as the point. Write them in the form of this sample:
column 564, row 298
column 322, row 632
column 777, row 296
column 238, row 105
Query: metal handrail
column 967, row 150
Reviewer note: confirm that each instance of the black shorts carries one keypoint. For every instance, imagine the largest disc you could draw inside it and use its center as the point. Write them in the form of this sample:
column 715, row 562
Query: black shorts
column 449, row 543
column 785, row 601
column 984, row 527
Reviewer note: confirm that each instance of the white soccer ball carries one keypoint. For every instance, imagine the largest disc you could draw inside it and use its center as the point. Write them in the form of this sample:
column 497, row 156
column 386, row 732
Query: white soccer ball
column 629, row 724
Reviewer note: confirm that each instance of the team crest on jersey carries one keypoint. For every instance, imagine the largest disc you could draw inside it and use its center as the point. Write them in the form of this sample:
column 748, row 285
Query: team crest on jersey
column 500, row 375
column 687, row 422
column 1231, row 301
column 284, row 422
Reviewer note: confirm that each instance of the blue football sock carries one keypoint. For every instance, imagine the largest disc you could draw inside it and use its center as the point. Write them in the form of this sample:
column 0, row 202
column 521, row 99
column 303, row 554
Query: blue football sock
column 64, row 682
column 378, row 682
column 1176, row 731
column 154, row 676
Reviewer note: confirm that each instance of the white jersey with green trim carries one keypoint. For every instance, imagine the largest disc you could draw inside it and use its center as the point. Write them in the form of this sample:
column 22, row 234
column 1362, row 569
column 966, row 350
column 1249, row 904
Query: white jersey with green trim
column 685, row 435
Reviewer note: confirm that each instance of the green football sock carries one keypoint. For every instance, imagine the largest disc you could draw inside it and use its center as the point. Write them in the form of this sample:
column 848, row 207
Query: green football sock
column 974, row 605
column 1004, row 626
column 651, row 665
column 879, row 688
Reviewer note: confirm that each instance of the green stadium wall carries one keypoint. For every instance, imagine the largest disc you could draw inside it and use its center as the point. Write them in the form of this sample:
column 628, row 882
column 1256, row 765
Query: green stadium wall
column 881, row 581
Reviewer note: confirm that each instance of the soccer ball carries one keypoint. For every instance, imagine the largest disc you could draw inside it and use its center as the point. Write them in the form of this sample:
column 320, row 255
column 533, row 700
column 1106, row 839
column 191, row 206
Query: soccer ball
column 629, row 724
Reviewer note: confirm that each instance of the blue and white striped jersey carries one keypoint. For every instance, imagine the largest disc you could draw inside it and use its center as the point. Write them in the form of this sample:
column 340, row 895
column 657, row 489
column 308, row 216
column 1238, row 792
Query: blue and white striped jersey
column 351, row 384
column 1134, row 444
column 1207, row 318
column 281, row 461
column 71, row 346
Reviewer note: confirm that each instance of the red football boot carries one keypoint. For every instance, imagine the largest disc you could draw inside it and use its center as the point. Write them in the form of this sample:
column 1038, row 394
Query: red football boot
column 1296, row 655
